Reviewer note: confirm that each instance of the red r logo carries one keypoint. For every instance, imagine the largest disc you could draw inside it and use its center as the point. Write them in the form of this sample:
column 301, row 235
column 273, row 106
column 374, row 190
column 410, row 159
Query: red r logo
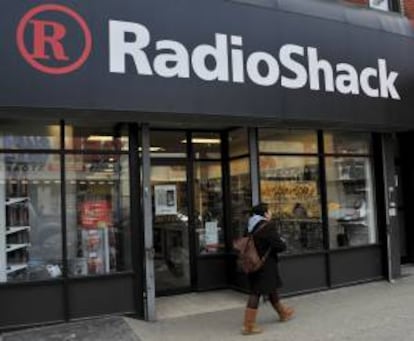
column 48, row 37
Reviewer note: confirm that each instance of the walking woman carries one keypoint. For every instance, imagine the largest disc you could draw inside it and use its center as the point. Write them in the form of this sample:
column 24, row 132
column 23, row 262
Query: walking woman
column 266, row 280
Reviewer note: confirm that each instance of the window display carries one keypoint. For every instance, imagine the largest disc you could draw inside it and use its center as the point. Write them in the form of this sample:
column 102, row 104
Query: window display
column 170, row 226
column 290, row 185
column 350, row 192
column 99, row 136
column 287, row 141
column 347, row 143
column 30, row 229
column 98, row 214
column 209, row 207
column 240, row 194
column 350, row 201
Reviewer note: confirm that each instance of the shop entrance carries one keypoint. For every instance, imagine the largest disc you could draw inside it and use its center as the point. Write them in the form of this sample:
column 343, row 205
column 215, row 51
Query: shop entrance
column 187, row 210
column 169, row 183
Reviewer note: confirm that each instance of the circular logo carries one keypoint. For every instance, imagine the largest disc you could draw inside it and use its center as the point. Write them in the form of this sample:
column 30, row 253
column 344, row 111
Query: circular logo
column 48, row 38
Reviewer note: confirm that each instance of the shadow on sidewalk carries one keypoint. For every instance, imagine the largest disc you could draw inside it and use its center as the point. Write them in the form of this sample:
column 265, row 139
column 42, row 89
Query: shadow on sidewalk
column 103, row 329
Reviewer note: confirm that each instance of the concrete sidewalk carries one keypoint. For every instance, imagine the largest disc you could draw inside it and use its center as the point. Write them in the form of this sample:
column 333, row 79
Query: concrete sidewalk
column 375, row 311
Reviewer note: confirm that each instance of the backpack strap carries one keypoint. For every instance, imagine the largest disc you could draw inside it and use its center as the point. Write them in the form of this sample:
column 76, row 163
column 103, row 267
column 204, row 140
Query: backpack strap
column 256, row 229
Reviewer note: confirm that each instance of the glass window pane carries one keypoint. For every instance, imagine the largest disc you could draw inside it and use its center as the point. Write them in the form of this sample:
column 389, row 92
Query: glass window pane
column 241, row 195
column 170, row 227
column 98, row 218
column 108, row 136
column 206, row 145
column 350, row 194
column 168, row 144
column 347, row 143
column 30, row 226
column 290, row 185
column 209, row 207
column 287, row 141
column 238, row 142
column 32, row 135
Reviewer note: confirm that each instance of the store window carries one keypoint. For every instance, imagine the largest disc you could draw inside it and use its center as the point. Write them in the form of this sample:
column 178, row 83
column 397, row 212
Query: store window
column 290, row 185
column 99, row 136
column 350, row 191
column 206, row 145
column 33, row 136
column 30, row 226
column 238, row 142
column 168, row 144
column 97, row 214
column 170, row 226
column 287, row 141
column 240, row 195
column 208, row 207
column 347, row 143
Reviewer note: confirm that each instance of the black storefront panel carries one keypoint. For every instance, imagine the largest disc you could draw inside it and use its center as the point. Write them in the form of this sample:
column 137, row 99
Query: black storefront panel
column 303, row 273
column 212, row 273
column 99, row 296
column 200, row 58
column 23, row 305
column 356, row 264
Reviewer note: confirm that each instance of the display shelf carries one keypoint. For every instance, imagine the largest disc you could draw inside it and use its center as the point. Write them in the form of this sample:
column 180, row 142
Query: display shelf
column 12, row 201
column 346, row 180
column 291, row 201
column 353, row 223
column 14, row 247
column 15, row 229
column 15, row 267
column 15, row 235
column 301, row 220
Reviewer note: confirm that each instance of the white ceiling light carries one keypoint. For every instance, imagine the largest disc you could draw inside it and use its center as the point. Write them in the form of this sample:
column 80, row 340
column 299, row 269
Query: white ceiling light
column 100, row 138
column 203, row 140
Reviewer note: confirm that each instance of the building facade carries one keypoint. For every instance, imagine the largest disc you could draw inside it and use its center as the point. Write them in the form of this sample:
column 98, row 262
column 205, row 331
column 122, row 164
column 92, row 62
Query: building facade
column 135, row 137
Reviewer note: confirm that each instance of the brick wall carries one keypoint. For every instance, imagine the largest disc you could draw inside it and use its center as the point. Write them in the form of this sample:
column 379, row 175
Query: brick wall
column 409, row 8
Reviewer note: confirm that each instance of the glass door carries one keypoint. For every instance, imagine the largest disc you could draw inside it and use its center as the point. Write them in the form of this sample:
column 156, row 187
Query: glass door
column 170, row 226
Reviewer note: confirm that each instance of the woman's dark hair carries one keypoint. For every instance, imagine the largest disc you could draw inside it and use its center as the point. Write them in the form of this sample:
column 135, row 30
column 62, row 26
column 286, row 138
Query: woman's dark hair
column 260, row 209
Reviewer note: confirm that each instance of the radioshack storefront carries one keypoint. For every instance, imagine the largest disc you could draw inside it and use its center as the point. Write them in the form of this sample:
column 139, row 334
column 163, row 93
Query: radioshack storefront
column 131, row 151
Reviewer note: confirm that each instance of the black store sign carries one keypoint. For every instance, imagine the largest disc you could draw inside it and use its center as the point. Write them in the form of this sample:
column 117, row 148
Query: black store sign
column 203, row 57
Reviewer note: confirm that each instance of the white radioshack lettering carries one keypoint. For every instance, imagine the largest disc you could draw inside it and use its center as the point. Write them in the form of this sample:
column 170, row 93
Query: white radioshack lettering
column 293, row 66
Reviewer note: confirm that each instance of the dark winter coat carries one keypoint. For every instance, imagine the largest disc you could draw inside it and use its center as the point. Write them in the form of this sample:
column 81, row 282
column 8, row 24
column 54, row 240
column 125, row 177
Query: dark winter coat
column 267, row 279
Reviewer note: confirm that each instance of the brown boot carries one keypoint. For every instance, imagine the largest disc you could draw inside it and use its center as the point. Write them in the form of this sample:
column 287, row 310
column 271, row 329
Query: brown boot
column 250, row 327
column 285, row 312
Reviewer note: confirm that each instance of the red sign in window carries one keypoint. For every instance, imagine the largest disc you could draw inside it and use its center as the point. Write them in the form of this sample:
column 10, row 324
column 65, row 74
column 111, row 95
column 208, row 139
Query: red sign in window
column 95, row 214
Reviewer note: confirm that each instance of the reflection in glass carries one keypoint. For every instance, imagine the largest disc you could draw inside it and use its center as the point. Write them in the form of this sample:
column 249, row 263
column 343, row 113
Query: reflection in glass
column 97, row 216
column 31, row 135
column 170, row 227
column 96, row 137
column 350, row 201
column 290, row 185
column 208, row 206
column 30, row 226
column 168, row 144
column 347, row 143
column 238, row 142
column 241, row 195
column 287, row 141
column 206, row 145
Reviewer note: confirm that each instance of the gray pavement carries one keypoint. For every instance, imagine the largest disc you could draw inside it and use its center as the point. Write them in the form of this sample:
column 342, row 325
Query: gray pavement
column 374, row 311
